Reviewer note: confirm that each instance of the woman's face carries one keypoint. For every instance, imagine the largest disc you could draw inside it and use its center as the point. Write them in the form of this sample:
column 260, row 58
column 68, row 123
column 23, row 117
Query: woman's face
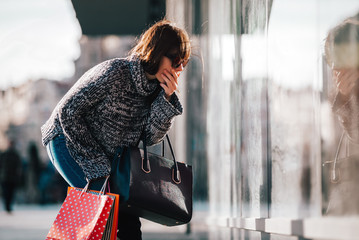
column 166, row 67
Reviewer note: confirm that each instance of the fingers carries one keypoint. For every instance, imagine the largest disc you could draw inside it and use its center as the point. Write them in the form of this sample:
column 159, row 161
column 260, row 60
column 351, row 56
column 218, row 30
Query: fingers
column 346, row 80
column 170, row 83
column 170, row 80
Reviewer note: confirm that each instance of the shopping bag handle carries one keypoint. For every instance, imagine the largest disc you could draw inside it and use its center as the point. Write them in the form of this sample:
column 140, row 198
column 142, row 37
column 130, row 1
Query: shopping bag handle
column 103, row 188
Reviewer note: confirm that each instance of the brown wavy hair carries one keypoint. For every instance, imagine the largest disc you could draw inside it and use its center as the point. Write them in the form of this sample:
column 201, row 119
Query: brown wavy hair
column 161, row 38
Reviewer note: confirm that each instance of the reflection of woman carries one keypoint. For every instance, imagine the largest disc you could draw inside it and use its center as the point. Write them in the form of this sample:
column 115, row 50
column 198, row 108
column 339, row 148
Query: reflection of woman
column 112, row 105
column 342, row 55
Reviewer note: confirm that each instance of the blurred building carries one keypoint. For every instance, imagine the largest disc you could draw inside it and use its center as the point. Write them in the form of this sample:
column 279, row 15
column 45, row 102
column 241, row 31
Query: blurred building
column 23, row 110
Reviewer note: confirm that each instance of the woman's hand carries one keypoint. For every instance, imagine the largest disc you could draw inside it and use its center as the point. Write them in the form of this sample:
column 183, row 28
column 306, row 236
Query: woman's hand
column 170, row 82
column 345, row 80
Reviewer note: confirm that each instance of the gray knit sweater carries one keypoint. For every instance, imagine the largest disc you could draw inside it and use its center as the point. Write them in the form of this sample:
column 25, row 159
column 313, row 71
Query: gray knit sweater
column 107, row 108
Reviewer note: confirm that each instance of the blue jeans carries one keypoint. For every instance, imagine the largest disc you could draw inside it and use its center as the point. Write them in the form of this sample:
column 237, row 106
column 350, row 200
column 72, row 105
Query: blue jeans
column 67, row 166
column 129, row 226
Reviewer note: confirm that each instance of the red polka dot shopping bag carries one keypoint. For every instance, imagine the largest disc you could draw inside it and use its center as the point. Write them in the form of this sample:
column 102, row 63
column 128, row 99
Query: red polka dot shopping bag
column 86, row 215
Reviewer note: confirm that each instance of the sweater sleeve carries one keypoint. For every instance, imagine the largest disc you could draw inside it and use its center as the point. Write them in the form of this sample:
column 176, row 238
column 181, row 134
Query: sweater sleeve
column 90, row 89
column 161, row 117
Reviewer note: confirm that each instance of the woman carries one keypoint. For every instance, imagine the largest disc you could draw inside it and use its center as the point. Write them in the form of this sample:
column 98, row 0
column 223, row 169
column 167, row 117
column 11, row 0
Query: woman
column 112, row 105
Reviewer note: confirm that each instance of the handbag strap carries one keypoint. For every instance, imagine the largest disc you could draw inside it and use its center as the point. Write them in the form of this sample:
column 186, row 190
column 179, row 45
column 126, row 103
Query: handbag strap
column 335, row 173
column 147, row 167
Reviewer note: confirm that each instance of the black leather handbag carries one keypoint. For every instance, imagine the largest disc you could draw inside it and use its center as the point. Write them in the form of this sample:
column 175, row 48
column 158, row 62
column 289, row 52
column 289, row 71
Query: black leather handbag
column 160, row 189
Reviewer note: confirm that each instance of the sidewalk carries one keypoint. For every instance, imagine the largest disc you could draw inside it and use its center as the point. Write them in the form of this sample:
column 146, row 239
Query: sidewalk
column 32, row 222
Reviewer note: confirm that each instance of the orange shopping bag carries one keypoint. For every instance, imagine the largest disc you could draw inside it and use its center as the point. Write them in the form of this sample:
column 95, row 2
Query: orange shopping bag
column 86, row 215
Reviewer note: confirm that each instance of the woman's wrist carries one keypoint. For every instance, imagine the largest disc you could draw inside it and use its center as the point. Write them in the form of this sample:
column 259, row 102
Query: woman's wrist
column 168, row 97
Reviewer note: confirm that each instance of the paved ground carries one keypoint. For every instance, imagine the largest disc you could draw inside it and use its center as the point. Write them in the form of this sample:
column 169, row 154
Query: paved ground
column 32, row 222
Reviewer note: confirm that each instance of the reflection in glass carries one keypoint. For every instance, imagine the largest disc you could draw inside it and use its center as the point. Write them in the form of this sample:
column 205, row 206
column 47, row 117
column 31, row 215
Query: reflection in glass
column 342, row 56
column 271, row 118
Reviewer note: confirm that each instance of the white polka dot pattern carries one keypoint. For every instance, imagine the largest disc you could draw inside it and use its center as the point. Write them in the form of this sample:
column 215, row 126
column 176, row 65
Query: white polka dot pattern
column 83, row 216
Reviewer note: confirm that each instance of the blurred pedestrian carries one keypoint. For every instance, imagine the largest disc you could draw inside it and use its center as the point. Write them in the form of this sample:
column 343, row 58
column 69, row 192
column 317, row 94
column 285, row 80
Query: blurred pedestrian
column 33, row 174
column 112, row 105
column 10, row 175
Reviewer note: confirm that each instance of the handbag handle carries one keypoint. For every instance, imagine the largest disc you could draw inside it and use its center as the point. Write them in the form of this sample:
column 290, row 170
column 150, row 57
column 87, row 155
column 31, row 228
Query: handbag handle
column 176, row 177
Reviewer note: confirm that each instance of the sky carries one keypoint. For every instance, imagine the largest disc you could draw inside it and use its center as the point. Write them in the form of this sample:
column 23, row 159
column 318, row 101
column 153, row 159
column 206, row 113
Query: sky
column 39, row 39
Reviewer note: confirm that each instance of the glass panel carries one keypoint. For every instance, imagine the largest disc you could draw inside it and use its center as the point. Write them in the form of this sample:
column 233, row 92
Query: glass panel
column 278, row 100
column 293, row 99
column 253, row 127
column 220, row 78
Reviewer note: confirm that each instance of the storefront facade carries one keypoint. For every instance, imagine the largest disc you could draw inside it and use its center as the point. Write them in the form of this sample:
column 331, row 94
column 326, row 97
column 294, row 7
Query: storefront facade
column 264, row 112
